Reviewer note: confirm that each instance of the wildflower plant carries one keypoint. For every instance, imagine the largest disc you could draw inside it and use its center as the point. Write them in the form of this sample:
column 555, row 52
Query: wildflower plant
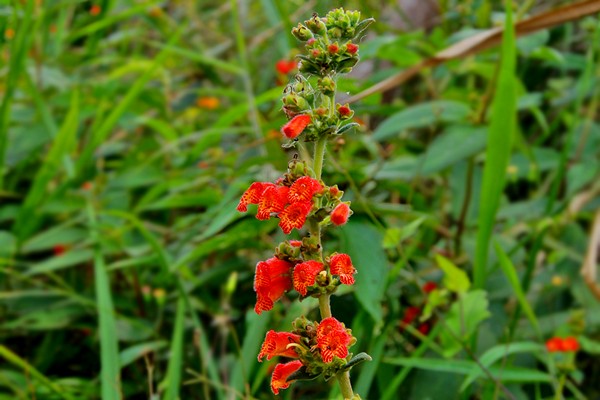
column 301, row 200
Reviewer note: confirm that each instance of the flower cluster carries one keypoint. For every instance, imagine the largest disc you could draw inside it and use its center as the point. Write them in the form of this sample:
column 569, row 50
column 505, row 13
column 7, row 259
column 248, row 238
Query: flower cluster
column 294, row 198
column 318, row 347
column 562, row 345
column 276, row 276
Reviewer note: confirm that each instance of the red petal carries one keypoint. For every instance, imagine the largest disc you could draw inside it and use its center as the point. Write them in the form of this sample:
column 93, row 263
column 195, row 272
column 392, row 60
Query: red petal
column 281, row 373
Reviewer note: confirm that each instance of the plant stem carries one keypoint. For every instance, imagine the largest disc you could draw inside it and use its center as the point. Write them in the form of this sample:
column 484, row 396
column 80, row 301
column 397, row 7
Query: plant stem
column 345, row 385
column 324, row 306
column 320, row 146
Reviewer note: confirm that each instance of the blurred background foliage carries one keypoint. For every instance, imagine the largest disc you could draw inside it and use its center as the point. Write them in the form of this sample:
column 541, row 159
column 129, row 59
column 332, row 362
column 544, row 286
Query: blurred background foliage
column 129, row 130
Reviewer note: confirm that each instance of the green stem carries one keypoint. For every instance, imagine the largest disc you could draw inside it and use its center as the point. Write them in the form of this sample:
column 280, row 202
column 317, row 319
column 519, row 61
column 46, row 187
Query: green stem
column 324, row 306
column 320, row 146
column 345, row 385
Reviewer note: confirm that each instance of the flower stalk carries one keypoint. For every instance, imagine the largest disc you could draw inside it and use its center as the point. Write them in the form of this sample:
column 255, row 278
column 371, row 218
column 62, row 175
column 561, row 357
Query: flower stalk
column 301, row 197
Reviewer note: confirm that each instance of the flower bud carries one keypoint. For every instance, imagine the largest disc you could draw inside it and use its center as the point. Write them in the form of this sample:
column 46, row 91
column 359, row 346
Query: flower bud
column 340, row 214
column 293, row 102
column 302, row 33
column 316, row 25
column 351, row 48
column 326, row 85
column 335, row 32
column 296, row 126
column 333, row 48
column 344, row 111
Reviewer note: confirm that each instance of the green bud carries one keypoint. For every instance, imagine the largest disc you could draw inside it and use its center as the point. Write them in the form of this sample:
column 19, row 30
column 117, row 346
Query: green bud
column 326, row 85
column 231, row 283
column 302, row 33
column 316, row 25
column 335, row 32
column 294, row 102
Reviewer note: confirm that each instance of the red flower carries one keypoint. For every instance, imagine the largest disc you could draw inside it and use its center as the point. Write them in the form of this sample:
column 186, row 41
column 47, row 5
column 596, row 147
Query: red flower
column 285, row 66
column 333, row 48
column 273, row 200
column 59, row 249
column 252, row 195
column 95, row 10
column 332, row 339
column 305, row 275
column 554, row 344
column 294, row 216
column 276, row 344
column 424, row 328
column 340, row 214
column 271, row 281
column 281, row 374
column 410, row 314
column 570, row 343
column 429, row 287
column 344, row 111
column 296, row 243
column 351, row 48
column 341, row 264
column 303, row 189
column 296, row 126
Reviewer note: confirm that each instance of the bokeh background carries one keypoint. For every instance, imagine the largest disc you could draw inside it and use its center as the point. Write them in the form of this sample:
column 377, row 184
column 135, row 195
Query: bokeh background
column 129, row 129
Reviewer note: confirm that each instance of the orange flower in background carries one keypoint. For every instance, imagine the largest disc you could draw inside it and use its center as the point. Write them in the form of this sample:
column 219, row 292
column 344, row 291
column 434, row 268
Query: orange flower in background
column 294, row 216
column 59, row 249
column 340, row 214
column 305, row 275
column 271, row 281
column 341, row 265
column 281, row 374
column 303, row 189
column 554, row 344
column 276, row 344
column 95, row 10
column 332, row 339
column 429, row 287
column 9, row 33
column 570, row 343
column 296, row 126
column 285, row 66
column 208, row 103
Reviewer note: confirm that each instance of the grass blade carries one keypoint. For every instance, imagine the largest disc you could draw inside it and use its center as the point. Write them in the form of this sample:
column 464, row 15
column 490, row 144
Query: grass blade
column 109, row 349
column 172, row 381
column 500, row 137
column 30, row 370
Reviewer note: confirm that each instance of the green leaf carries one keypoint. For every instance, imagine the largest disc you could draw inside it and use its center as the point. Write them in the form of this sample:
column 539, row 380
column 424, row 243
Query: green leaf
column 455, row 279
column 362, row 242
column 422, row 115
column 462, row 320
column 172, row 381
column 500, row 138
column 511, row 274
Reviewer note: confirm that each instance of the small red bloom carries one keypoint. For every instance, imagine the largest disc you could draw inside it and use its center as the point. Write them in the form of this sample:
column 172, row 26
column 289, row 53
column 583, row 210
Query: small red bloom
column 271, row 281
column 273, row 200
column 294, row 216
column 276, row 344
column 285, row 66
column 303, row 189
column 340, row 214
column 554, row 344
column 570, row 343
column 252, row 195
column 332, row 339
column 296, row 243
column 344, row 111
column 333, row 48
column 95, row 10
column 424, row 328
column 429, row 286
column 352, row 48
column 305, row 275
column 315, row 53
column 310, row 41
column 296, row 126
column 59, row 249
column 410, row 314
column 281, row 374
column 87, row 185
column 341, row 264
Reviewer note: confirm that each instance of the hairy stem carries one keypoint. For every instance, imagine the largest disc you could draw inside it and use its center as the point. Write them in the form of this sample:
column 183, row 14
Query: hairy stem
column 324, row 306
column 345, row 385
column 320, row 146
